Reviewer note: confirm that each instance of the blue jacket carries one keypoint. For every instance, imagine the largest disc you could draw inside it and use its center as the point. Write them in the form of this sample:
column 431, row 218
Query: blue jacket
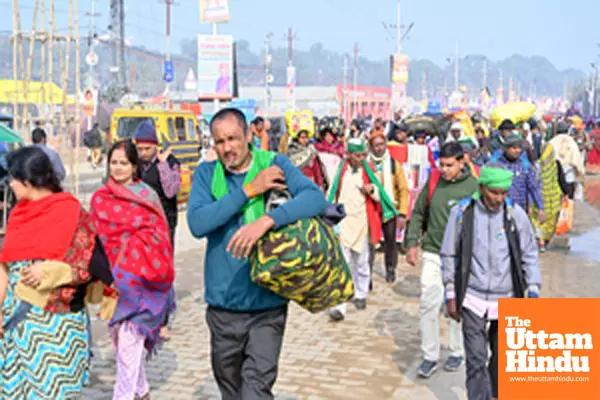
column 525, row 181
column 227, row 279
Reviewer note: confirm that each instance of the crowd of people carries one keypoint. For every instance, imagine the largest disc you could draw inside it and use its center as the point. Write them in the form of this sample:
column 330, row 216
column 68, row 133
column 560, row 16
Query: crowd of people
column 480, row 207
column 58, row 257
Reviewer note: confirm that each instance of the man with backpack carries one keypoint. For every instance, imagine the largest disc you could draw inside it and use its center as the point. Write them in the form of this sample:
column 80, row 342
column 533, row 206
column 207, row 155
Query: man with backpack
column 93, row 140
column 445, row 188
column 525, row 183
column 489, row 252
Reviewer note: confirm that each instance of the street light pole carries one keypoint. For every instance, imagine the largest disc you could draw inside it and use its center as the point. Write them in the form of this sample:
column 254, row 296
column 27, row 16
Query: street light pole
column 398, row 29
column 594, row 90
column 91, row 46
column 268, row 59
column 456, row 70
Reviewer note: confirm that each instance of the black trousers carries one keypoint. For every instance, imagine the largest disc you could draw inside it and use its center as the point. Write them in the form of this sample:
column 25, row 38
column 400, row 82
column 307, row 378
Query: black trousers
column 245, row 351
column 390, row 250
column 482, row 376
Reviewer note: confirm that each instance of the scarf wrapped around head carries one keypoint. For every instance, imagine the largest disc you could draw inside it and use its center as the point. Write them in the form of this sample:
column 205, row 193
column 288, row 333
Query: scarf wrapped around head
column 356, row 145
column 385, row 208
column 494, row 176
column 133, row 229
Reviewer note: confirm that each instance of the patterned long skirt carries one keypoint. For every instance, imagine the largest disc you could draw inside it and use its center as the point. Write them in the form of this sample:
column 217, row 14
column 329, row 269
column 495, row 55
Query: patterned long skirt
column 45, row 355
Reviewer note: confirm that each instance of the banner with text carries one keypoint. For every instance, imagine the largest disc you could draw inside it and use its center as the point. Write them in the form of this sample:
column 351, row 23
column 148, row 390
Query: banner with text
column 300, row 120
column 214, row 11
column 547, row 349
column 400, row 68
column 215, row 67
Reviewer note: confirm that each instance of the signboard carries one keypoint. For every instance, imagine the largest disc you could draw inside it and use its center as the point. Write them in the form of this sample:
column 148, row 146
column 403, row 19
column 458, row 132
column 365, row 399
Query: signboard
column 91, row 59
column 169, row 72
column 214, row 11
column 247, row 106
column 190, row 81
column 215, row 67
column 291, row 85
column 400, row 68
column 299, row 120
column 90, row 99
column 364, row 93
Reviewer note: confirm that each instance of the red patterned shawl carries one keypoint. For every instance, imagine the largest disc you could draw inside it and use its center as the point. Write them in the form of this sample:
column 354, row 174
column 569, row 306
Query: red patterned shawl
column 133, row 229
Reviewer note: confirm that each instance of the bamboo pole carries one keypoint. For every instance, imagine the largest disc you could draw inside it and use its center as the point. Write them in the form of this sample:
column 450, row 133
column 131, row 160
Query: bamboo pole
column 65, row 81
column 16, row 38
column 44, row 111
column 27, row 77
column 21, row 72
column 51, row 29
column 77, row 97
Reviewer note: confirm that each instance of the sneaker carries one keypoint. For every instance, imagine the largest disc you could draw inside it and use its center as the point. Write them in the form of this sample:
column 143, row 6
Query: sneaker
column 427, row 368
column 390, row 278
column 360, row 304
column 453, row 363
column 542, row 249
column 336, row 316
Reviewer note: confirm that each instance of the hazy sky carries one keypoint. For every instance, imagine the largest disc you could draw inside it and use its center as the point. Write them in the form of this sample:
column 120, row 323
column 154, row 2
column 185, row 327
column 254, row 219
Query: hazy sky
column 565, row 31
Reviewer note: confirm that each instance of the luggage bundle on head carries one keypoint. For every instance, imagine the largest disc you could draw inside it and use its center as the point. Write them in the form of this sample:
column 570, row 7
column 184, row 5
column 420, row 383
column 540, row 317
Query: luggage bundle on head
column 421, row 123
column 336, row 125
column 303, row 262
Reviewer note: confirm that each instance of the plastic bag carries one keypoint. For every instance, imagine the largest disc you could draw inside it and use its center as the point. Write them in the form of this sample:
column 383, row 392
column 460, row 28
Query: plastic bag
column 565, row 218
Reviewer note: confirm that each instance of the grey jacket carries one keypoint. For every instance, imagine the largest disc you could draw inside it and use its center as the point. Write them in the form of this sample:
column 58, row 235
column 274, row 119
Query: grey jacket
column 490, row 277
column 55, row 160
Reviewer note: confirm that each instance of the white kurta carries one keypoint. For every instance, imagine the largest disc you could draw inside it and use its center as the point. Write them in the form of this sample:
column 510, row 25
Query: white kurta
column 355, row 227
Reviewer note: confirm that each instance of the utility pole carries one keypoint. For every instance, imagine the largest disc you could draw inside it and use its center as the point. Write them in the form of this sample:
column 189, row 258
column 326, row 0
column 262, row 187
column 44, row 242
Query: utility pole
column 290, row 45
column 113, row 27
column 268, row 76
column 122, row 69
column 91, row 46
column 117, row 29
column 595, row 90
column 500, row 90
column 168, row 4
column 424, row 85
column 397, row 87
column 345, row 89
column 355, row 79
column 398, row 29
column 456, row 69
column 291, row 72
column 484, row 73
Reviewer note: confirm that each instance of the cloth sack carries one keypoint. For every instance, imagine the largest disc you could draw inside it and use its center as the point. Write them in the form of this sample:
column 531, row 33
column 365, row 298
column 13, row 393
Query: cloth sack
column 302, row 262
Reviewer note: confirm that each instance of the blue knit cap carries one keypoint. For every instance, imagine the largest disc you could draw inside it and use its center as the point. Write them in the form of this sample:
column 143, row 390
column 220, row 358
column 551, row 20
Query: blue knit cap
column 146, row 133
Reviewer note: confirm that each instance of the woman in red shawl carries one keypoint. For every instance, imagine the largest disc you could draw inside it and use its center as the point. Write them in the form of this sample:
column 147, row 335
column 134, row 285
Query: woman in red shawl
column 133, row 228
column 329, row 143
column 49, row 256
column 593, row 157
column 304, row 157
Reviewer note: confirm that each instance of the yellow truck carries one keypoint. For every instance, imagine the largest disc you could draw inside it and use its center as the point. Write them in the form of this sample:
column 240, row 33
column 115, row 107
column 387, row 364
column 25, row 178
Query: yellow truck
column 177, row 130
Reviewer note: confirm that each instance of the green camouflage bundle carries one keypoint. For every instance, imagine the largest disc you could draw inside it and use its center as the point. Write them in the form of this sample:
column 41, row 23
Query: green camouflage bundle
column 303, row 262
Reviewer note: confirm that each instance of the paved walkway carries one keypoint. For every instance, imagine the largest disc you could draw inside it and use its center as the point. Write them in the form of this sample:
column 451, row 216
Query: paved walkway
column 373, row 354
